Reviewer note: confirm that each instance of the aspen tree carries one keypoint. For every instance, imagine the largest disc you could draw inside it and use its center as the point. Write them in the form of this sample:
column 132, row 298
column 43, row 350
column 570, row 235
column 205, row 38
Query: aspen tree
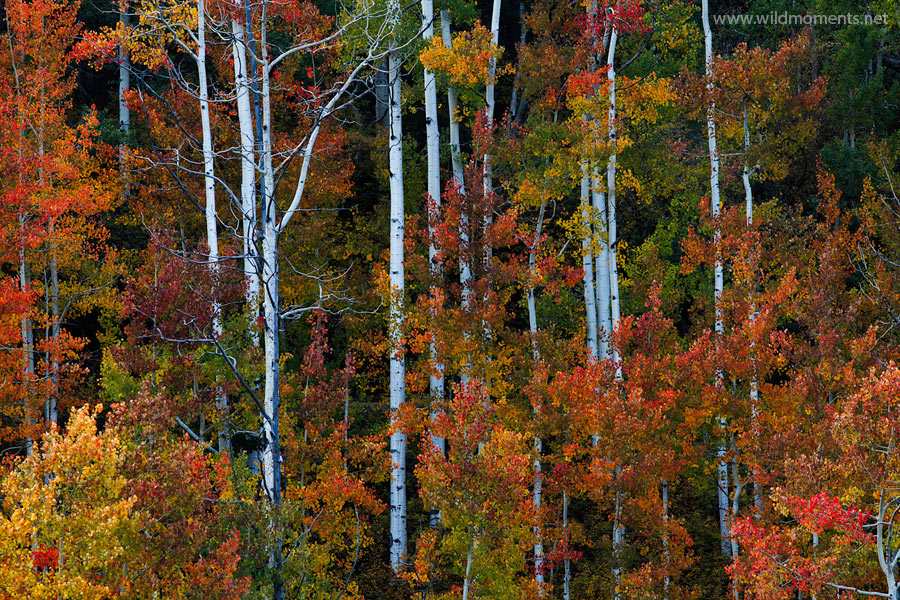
column 248, row 160
column 432, row 142
column 465, row 268
column 397, row 296
column 715, row 206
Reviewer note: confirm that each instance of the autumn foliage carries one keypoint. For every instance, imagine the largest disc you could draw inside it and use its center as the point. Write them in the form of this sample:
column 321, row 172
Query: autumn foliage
column 202, row 324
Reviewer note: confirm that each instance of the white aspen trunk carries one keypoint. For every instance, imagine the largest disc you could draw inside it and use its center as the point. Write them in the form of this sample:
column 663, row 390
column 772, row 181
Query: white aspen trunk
column 52, row 408
column 397, row 359
column 467, row 580
column 488, row 179
column 748, row 191
column 209, row 186
column 754, row 385
column 601, row 268
column 532, row 275
column 465, row 268
column 735, row 507
column 815, row 544
column 209, row 180
column 538, row 534
column 736, row 499
column 598, row 202
column 51, row 354
column 455, row 151
column 515, row 109
column 124, row 84
column 567, row 566
column 722, row 484
column 432, row 143
column 618, row 544
column 667, row 552
column 715, row 205
column 587, row 263
column 271, row 306
column 611, row 202
column 886, row 557
column 618, row 528
column 533, row 329
column 489, row 103
column 24, row 277
column 27, row 337
column 601, row 298
column 248, row 170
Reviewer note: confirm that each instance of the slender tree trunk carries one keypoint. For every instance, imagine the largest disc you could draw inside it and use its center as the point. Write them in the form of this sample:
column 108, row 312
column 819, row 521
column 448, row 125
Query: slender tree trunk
column 517, row 106
column 715, row 204
column 567, row 566
column 723, row 492
column 248, row 169
column 271, row 306
column 52, row 402
column 467, row 580
column 209, row 186
column 489, row 104
column 601, row 267
column 432, row 142
column 618, row 527
column 601, row 220
column 602, row 324
column 754, row 385
column 124, row 84
column 455, row 150
column 533, row 330
column 488, row 174
column 667, row 552
column 465, row 267
column 209, row 179
column 254, row 76
column 538, row 533
column 51, row 356
column 27, row 337
column 736, row 499
column 618, row 541
column 735, row 507
column 587, row 265
column 397, row 360
column 24, row 276
column 885, row 550
column 611, row 201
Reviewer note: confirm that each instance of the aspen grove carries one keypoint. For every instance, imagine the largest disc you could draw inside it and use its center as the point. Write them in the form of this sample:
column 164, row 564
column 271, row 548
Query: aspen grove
column 457, row 299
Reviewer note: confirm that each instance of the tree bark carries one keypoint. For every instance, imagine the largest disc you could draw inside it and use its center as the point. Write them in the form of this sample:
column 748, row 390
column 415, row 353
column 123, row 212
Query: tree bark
column 248, row 169
column 432, row 142
column 587, row 264
column 465, row 267
column 754, row 384
column 467, row 580
column 209, row 187
column 27, row 337
column 715, row 204
column 667, row 552
column 533, row 330
column 124, row 84
column 611, row 202
column 271, row 306
column 395, row 317
column 567, row 566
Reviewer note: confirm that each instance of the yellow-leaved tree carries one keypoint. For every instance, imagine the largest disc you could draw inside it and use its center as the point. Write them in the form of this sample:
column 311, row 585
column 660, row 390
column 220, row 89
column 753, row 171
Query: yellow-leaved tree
column 65, row 517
